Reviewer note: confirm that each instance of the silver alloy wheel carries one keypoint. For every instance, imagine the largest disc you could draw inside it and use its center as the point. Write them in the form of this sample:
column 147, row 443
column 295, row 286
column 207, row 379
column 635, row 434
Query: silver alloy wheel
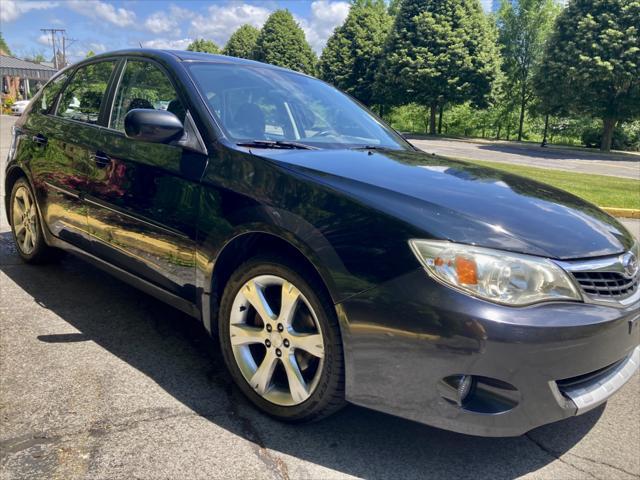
column 24, row 220
column 276, row 335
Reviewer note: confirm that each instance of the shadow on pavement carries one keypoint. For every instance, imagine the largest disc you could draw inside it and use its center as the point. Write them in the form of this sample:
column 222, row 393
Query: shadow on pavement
column 175, row 352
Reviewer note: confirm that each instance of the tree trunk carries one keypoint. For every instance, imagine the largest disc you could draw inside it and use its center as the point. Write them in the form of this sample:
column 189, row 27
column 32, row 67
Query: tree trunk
column 440, row 109
column 546, row 129
column 432, row 118
column 523, row 105
column 607, row 134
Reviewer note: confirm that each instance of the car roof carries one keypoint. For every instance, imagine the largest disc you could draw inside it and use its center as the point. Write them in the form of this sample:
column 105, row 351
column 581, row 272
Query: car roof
column 182, row 56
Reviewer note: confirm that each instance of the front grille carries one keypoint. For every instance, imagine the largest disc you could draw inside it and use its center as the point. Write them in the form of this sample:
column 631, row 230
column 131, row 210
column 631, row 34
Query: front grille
column 607, row 284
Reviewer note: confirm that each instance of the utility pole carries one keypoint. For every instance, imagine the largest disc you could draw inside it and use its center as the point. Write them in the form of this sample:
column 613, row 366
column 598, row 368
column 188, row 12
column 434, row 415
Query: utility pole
column 66, row 43
column 54, row 32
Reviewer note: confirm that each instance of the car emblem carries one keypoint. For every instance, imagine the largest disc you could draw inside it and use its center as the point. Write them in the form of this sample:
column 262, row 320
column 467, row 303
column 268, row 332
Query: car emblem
column 629, row 265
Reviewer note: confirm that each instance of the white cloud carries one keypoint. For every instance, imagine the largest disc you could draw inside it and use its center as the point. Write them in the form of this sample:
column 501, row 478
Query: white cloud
column 98, row 47
column 44, row 40
column 325, row 16
column 163, row 22
column 164, row 43
column 103, row 11
column 12, row 9
column 221, row 21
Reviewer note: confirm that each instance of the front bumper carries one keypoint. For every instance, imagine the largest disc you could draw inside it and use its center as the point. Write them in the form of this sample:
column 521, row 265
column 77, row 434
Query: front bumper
column 539, row 364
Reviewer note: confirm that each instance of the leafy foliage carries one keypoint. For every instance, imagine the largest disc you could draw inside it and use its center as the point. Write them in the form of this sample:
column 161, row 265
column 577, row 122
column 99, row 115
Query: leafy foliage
column 354, row 52
column 4, row 48
column 592, row 63
column 523, row 29
column 242, row 42
column 439, row 52
column 282, row 42
column 202, row 45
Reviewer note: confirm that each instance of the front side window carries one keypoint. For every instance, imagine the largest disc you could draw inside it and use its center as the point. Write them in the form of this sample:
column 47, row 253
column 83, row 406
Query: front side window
column 49, row 94
column 255, row 103
column 83, row 95
column 144, row 85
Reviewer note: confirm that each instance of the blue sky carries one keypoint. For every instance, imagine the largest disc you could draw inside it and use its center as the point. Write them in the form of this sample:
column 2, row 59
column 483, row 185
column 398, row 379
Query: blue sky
column 101, row 25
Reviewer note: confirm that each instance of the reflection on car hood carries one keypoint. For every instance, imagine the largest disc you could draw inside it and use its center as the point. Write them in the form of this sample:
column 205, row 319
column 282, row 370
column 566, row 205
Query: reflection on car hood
column 463, row 202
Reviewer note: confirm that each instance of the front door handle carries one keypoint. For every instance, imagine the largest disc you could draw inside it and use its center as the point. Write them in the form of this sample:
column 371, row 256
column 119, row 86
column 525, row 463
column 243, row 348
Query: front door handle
column 101, row 159
column 39, row 139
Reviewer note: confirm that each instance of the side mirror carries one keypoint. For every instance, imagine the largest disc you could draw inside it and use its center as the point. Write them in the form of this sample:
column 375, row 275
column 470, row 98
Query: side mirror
column 148, row 125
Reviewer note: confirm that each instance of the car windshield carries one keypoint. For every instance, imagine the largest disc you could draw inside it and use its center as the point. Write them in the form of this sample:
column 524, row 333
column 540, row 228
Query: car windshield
column 276, row 108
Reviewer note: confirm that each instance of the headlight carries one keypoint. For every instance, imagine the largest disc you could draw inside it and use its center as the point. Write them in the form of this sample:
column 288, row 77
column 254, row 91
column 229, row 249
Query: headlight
column 495, row 275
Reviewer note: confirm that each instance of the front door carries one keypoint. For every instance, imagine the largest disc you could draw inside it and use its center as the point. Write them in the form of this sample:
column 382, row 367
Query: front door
column 142, row 205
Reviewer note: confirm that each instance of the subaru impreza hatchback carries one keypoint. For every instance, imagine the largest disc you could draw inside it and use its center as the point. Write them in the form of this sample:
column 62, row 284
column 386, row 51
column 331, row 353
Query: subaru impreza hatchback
column 333, row 260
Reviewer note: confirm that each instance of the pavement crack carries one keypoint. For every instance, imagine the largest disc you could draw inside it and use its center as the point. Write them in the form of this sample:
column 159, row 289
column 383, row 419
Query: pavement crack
column 555, row 455
column 273, row 462
column 600, row 462
column 97, row 429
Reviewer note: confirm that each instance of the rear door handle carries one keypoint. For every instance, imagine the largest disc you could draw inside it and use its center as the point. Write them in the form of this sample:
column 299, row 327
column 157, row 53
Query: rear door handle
column 39, row 139
column 101, row 159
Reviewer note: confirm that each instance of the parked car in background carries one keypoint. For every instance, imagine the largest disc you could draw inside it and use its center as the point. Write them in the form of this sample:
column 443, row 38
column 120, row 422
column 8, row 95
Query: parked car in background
column 17, row 108
column 332, row 260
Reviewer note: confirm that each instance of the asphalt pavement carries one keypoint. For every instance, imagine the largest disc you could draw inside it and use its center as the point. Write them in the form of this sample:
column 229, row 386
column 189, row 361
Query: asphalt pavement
column 577, row 160
column 100, row 381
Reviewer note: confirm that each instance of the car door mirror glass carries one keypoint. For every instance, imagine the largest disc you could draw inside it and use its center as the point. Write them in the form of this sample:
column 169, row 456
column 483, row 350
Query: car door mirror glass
column 158, row 126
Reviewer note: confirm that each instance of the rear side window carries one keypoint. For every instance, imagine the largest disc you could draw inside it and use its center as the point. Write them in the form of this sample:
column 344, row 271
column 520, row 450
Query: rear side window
column 144, row 85
column 82, row 97
column 49, row 94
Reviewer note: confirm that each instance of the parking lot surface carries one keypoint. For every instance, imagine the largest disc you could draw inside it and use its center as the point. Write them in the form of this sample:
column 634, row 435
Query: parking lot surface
column 100, row 381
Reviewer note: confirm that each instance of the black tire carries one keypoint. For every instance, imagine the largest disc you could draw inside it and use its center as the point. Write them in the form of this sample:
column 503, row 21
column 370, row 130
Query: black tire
column 328, row 396
column 41, row 252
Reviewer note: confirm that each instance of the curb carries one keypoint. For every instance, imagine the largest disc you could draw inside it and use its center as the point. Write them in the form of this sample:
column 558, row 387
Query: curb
column 622, row 212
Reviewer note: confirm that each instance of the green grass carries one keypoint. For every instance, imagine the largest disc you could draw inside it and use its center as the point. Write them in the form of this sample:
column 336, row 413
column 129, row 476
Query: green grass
column 599, row 189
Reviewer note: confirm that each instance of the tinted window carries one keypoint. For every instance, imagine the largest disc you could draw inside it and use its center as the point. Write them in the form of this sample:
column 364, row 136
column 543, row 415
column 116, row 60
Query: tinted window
column 83, row 96
column 49, row 94
column 255, row 103
column 144, row 85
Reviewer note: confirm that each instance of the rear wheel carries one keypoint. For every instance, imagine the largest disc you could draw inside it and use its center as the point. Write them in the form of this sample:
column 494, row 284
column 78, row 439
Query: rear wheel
column 281, row 342
column 25, row 224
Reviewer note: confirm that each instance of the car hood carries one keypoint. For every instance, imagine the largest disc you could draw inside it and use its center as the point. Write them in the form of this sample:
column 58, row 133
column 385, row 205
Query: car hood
column 462, row 202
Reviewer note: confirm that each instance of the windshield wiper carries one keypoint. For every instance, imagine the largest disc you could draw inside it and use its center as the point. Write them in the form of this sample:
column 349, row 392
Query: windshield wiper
column 275, row 144
column 370, row 147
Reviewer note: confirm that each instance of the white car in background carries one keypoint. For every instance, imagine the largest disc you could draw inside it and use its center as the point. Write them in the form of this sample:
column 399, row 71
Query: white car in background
column 18, row 107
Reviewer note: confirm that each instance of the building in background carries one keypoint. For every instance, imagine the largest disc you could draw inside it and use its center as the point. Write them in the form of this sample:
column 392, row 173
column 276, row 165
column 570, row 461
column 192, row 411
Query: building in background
column 20, row 78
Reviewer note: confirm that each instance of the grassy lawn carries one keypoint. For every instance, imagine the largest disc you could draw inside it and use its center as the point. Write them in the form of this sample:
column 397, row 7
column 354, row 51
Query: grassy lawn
column 599, row 189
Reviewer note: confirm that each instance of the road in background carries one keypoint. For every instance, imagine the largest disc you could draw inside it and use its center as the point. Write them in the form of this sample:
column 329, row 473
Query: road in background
column 568, row 159
column 98, row 380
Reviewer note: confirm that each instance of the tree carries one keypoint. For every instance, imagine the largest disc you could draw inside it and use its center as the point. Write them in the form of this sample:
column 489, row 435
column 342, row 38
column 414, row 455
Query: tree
column 592, row 63
column 282, row 42
column 354, row 51
column 523, row 29
column 4, row 48
column 36, row 57
column 90, row 54
column 439, row 51
column 243, row 42
column 202, row 45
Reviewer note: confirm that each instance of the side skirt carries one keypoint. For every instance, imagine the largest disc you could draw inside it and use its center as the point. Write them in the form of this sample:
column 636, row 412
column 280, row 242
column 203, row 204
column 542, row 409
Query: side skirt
column 133, row 280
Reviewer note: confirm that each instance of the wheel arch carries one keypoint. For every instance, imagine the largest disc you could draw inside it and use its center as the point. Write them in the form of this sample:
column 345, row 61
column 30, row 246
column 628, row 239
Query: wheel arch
column 248, row 245
column 13, row 174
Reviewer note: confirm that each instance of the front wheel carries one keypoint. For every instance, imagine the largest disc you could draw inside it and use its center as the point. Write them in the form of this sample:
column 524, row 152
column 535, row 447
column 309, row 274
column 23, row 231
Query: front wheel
column 280, row 340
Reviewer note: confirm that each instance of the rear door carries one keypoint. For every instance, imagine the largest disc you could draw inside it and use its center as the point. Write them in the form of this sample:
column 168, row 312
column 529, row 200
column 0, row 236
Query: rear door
column 63, row 134
column 142, row 197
